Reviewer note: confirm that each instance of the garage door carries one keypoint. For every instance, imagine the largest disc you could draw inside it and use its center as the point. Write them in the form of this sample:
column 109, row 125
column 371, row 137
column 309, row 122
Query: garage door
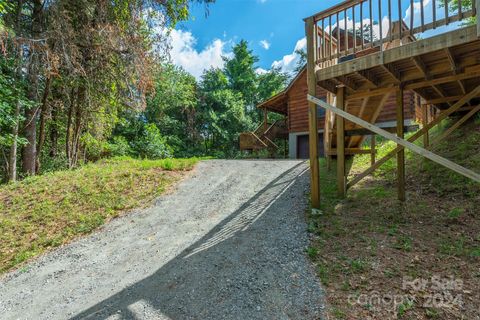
column 303, row 150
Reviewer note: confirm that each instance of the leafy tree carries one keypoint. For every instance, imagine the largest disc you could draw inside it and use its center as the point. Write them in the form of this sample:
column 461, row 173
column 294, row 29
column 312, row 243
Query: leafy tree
column 12, row 96
column 240, row 71
column 302, row 61
column 152, row 145
column 172, row 107
column 271, row 83
column 83, row 62
column 221, row 114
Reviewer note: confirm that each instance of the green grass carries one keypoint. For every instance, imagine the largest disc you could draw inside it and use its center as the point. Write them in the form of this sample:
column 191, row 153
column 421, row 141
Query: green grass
column 371, row 240
column 47, row 211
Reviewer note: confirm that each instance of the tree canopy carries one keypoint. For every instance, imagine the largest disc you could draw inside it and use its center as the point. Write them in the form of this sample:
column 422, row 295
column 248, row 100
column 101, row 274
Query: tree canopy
column 86, row 79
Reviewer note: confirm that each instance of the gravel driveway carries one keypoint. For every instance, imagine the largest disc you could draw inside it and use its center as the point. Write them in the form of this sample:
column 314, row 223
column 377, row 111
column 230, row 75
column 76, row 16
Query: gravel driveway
column 228, row 243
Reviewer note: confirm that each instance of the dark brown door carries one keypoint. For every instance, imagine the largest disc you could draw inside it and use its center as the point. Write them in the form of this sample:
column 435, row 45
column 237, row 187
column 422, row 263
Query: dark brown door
column 303, row 150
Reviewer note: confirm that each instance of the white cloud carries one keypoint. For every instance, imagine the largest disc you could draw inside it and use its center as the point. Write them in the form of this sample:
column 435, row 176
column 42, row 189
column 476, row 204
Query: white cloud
column 265, row 44
column 260, row 71
column 184, row 54
column 289, row 62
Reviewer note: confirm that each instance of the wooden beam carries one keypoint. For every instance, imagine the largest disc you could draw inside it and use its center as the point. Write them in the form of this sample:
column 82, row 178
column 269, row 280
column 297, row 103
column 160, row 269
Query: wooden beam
column 456, row 125
column 347, row 83
column 373, row 149
column 392, row 72
column 451, row 60
column 401, row 154
column 312, row 113
column 421, row 66
column 371, row 93
column 349, row 151
column 462, row 86
column 439, row 91
column 367, row 76
column 403, row 143
column 341, row 179
column 471, row 72
column 328, row 85
column 443, row 100
column 363, row 107
column 379, row 109
column 426, row 136
column 475, row 92
column 366, row 132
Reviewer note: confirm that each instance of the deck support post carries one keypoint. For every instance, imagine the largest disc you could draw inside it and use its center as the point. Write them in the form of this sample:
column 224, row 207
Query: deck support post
column 401, row 153
column 310, row 31
column 477, row 6
column 425, row 117
column 373, row 150
column 341, row 179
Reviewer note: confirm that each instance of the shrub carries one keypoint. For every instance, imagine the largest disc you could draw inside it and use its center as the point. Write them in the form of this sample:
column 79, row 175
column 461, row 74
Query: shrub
column 152, row 144
column 120, row 147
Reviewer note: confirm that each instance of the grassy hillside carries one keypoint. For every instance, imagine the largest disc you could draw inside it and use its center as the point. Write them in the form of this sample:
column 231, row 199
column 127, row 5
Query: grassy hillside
column 367, row 246
column 43, row 212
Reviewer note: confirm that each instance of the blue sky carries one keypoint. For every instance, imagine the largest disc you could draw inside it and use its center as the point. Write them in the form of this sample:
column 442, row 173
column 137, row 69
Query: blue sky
column 278, row 22
column 273, row 28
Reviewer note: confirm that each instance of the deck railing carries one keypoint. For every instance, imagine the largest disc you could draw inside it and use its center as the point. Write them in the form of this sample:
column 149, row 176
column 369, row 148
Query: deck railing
column 356, row 25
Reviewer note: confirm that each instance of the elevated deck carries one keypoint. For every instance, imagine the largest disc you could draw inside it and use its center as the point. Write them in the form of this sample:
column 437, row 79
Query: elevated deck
column 413, row 48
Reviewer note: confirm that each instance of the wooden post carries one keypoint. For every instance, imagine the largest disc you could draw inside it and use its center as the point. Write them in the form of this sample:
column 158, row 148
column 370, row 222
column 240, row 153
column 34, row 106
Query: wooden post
column 477, row 6
column 401, row 154
column 426, row 136
column 310, row 31
column 341, row 183
column 265, row 120
column 373, row 149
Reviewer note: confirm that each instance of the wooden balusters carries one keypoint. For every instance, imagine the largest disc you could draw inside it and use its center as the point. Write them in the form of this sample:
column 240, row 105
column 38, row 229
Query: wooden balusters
column 412, row 16
column 421, row 20
column 390, row 23
column 460, row 16
column 380, row 23
column 361, row 27
column 422, row 15
column 371, row 23
column 446, row 12
column 400, row 17
column 345, row 32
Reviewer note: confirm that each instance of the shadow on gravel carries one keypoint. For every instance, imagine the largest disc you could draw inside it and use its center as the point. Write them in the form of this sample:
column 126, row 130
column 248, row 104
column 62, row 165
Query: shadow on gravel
column 250, row 266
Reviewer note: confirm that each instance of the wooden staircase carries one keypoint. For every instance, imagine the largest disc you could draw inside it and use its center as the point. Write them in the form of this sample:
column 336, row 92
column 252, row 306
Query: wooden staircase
column 263, row 136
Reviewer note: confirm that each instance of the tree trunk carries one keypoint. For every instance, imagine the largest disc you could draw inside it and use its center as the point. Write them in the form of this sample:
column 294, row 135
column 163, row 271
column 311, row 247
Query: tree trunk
column 30, row 150
column 30, row 129
column 78, row 126
column 54, row 134
column 12, row 165
column 43, row 116
column 69, row 126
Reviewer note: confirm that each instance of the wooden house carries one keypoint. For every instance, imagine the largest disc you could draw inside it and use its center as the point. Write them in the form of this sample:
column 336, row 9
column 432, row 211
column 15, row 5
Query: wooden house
column 293, row 105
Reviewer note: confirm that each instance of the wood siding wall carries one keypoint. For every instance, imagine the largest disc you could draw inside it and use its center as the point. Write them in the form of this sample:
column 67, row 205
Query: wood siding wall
column 298, row 105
